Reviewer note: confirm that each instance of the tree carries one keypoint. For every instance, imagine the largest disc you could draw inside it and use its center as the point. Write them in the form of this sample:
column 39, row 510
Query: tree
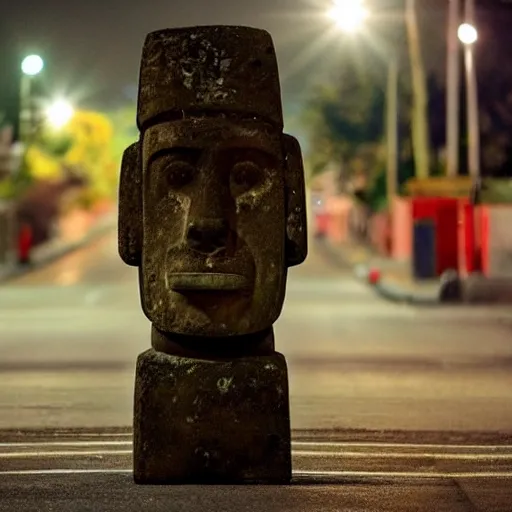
column 90, row 155
column 125, row 130
column 82, row 149
column 344, row 123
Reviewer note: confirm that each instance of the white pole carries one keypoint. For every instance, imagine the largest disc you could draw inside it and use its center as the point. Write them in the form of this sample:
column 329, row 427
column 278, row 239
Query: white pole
column 472, row 99
column 392, row 130
column 452, row 90
column 24, row 108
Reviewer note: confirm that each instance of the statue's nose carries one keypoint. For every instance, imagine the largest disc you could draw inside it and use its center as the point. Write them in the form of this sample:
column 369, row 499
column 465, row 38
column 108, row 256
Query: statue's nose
column 208, row 235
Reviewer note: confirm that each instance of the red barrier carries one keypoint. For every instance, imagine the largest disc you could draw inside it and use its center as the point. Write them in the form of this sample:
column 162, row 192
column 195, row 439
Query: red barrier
column 443, row 211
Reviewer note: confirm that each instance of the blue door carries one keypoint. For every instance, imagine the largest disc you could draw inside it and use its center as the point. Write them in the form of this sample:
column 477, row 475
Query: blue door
column 424, row 249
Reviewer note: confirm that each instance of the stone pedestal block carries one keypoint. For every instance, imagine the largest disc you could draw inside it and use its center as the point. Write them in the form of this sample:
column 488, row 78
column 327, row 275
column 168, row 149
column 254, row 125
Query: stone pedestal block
column 200, row 421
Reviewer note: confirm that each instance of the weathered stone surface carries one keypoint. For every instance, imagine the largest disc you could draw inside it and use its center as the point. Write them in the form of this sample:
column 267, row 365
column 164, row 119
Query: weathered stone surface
column 224, row 69
column 130, row 209
column 212, row 204
column 230, row 347
column 212, row 211
column 204, row 421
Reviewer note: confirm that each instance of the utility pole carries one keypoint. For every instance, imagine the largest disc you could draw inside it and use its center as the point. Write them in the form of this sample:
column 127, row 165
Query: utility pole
column 420, row 131
column 472, row 98
column 453, row 90
column 392, row 129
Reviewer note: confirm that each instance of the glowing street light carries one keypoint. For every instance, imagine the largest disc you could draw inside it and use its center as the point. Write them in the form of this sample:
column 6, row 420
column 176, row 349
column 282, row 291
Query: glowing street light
column 59, row 114
column 32, row 65
column 349, row 15
column 467, row 34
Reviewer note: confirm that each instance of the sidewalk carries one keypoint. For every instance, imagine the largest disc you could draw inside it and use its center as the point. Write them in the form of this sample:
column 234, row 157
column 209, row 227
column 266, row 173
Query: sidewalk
column 56, row 248
column 396, row 282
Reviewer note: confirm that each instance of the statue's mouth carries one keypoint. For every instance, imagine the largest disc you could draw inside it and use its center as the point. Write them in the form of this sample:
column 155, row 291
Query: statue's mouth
column 204, row 281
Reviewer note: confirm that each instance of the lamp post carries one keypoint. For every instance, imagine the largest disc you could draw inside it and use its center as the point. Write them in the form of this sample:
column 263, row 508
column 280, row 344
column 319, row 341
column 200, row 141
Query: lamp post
column 468, row 35
column 31, row 66
column 452, row 91
column 350, row 16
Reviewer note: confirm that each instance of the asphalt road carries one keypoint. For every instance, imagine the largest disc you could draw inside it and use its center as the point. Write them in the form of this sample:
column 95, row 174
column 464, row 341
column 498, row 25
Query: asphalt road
column 90, row 471
column 70, row 334
column 410, row 407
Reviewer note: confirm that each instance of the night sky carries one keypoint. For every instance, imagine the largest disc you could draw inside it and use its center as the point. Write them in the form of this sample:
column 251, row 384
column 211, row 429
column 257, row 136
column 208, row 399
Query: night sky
column 92, row 47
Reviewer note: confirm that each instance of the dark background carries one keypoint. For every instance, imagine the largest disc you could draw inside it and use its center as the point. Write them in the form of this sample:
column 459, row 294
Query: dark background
column 92, row 48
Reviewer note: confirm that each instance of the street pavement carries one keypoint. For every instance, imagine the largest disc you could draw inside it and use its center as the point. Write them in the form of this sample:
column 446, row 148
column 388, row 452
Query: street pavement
column 70, row 335
column 90, row 471
column 423, row 392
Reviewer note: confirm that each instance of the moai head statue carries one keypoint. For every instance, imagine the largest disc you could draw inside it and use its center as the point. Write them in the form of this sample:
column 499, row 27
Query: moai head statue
column 211, row 206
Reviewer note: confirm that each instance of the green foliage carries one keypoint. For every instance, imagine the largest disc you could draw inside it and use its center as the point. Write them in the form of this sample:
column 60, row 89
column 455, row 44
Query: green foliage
column 125, row 130
column 376, row 197
column 56, row 144
column 7, row 189
column 344, row 123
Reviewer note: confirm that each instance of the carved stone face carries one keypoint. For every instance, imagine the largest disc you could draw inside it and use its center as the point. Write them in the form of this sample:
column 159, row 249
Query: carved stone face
column 213, row 249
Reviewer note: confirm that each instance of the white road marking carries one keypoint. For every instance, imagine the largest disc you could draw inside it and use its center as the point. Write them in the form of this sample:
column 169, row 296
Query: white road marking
column 297, row 453
column 404, row 474
column 66, row 443
column 359, row 444
column 320, row 444
column 296, row 473
column 64, row 471
column 25, row 455
column 409, row 455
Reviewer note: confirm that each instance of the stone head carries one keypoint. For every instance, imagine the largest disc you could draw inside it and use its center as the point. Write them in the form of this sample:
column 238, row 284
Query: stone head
column 211, row 205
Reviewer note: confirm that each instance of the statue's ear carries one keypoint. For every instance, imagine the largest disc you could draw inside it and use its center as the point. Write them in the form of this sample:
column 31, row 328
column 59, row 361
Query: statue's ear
column 296, row 221
column 130, row 207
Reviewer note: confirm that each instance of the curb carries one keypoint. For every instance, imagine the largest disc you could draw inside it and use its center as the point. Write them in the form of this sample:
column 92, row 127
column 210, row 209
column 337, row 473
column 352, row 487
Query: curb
column 390, row 292
column 52, row 254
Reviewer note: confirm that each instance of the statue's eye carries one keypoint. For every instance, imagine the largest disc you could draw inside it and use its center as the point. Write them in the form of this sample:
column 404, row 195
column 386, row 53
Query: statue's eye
column 245, row 176
column 179, row 174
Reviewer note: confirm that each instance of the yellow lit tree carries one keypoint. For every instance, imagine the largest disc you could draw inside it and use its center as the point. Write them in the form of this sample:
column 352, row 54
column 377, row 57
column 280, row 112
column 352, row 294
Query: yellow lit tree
column 90, row 155
column 83, row 148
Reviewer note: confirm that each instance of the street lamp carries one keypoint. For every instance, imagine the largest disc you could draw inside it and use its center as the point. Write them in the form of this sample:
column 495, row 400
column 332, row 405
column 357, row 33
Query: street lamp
column 467, row 33
column 59, row 113
column 452, row 90
column 349, row 15
column 31, row 66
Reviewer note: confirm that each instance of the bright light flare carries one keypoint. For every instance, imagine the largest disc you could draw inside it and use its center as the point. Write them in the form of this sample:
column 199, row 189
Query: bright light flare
column 32, row 65
column 349, row 15
column 59, row 114
column 467, row 33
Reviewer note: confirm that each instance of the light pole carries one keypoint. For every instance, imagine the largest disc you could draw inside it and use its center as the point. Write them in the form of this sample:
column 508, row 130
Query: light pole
column 350, row 16
column 31, row 66
column 452, row 91
column 392, row 130
column 468, row 35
